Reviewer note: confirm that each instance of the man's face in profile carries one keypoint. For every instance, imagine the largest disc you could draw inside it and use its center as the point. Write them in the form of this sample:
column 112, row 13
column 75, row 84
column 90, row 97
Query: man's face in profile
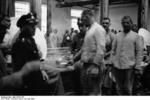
column 29, row 29
column 6, row 22
column 82, row 29
column 86, row 20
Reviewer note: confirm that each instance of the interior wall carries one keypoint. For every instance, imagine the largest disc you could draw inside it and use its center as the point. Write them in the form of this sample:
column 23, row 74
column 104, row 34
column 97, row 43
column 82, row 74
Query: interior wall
column 116, row 13
column 61, row 18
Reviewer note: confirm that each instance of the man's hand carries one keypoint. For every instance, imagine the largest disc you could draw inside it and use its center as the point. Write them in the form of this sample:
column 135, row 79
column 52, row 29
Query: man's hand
column 45, row 76
column 15, row 80
column 78, row 65
column 77, row 56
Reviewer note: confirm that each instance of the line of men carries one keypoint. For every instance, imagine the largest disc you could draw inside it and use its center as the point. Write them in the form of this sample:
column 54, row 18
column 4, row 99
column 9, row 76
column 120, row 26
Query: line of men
column 121, row 52
column 104, row 56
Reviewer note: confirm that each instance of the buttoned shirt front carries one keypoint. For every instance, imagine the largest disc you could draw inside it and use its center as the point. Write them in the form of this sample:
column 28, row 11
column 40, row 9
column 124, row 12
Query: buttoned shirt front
column 127, row 50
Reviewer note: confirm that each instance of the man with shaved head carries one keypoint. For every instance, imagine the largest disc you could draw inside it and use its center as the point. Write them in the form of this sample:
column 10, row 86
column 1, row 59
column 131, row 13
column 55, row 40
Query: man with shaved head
column 127, row 56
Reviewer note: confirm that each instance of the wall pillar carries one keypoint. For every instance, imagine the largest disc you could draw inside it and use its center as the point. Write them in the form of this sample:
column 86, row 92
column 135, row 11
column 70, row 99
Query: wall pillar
column 49, row 21
column 7, row 7
column 143, row 13
column 104, row 9
column 35, row 7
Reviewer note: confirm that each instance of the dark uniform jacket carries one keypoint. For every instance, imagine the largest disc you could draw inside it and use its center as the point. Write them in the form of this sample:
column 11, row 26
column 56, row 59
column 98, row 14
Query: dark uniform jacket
column 23, row 51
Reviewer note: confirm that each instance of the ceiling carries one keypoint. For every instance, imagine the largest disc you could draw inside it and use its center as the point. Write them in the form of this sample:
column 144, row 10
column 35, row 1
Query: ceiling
column 85, row 3
column 82, row 3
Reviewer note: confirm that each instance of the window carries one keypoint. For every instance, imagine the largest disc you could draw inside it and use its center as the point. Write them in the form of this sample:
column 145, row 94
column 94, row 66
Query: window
column 44, row 18
column 74, row 23
column 75, row 14
column 21, row 8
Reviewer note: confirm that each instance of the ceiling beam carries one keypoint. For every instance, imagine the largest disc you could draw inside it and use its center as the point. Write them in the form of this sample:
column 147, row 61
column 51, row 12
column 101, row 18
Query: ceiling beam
column 78, row 3
column 92, row 2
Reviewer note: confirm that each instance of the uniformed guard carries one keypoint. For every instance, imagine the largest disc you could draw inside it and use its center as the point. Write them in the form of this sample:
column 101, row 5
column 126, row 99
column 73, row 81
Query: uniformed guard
column 25, row 49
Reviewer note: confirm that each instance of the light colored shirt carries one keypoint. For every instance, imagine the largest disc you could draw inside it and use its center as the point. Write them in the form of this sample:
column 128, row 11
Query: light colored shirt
column 94, row 45
column 54, row 40
column 145, row 36
column 127, row 50
column 41, row 42
column 7, row 38
column 15, row 37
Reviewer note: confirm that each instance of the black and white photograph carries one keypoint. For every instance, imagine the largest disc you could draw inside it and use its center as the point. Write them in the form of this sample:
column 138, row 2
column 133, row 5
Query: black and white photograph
column 74, row 48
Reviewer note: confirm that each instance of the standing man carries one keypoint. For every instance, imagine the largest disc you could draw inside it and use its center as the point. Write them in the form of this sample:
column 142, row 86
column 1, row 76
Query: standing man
column 77, row 40
column 92, row 54
column 67, row 40
column 107, row 86
column 25, row 48
column 54, row 39
column 77, row 43
column 4, row 25
column 38, row 37
column 127, row 55
column 109, row 35
column 72, row 32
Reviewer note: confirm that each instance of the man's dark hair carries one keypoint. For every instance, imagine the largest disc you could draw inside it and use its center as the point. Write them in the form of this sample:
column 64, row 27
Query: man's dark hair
column 127, row 17
column 88, row 12
column 106, row 18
